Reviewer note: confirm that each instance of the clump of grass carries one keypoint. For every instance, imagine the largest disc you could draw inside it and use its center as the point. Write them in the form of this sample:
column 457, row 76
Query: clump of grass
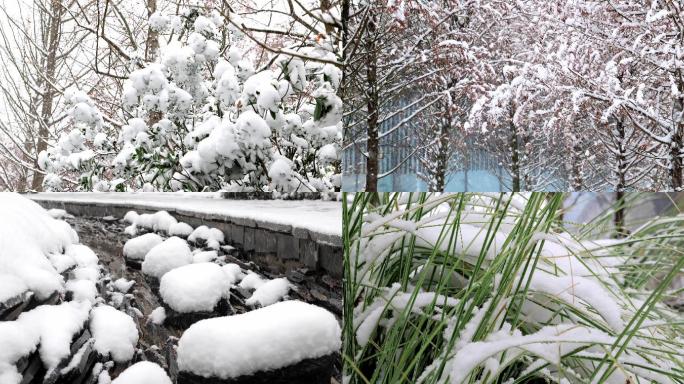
column 492, row 288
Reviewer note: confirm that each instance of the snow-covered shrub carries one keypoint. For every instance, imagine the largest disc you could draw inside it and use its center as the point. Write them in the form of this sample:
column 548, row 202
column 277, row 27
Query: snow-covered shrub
column 204, row 118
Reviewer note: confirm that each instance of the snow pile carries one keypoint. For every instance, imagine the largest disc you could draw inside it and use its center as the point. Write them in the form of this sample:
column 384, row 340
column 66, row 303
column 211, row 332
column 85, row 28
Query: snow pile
column 193, row 287
column 82, row 290
column 212, row 237
column 269, row 292
column 160, row 221
column 29, row 236
column 143, row 372
column 48, row 327
column 203, row 257
column 268, row 338
column 122, row 285
column 233, row 273
column 11, row 286
column 115, row 333
column 172, row 253
column 251, row 281
column 138, row 247
column 180, row 229
column 157, row 316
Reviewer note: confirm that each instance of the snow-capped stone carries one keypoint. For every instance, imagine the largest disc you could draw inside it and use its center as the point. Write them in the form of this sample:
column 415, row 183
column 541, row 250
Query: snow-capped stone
column 174, row 252
column 143, row 372
column 193, row 287
column 138, row 247
column 270, row 292
column 115, row 333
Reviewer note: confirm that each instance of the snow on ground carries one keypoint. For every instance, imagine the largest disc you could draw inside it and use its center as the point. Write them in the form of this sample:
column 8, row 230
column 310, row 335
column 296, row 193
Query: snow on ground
column 323, row 217
column 143, row 372
column 212, row 237
column 263, row 339
column 136, row 248
column 193, row 287
column 115, row 333
column 171, row 253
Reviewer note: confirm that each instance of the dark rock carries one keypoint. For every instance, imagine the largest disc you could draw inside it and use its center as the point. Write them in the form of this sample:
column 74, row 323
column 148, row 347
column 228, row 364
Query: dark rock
column 296, row 276
column 32, row 369
column 11, row 308
column 309, row 371
column 179, row 320
column 134, row 264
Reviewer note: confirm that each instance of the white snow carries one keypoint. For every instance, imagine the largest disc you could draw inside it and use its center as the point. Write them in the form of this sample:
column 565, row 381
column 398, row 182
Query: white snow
column 10, row 286
column 251, row 281
column 122, row 285
column 57, row 213
column 193, row 287
column 172, row 253
column 203, row 257
column 136, row 248
column 233, row 273
column 51, row 327
column 324, row 217
column 180, row 229
column 115, row 333
column 212, row 236
column 157, row 316
column 143, row 372
column 269, row 292
column 268, row 338
column 82, row 290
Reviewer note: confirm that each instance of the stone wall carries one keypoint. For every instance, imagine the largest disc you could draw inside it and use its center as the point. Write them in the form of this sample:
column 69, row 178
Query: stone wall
column 281, row 246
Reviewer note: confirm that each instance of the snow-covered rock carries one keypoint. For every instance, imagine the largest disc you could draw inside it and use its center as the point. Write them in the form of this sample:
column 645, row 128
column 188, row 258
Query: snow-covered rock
column 268, row 338
column 143, row 372
column 180, row 229
column 174, row 252
column 251, row 281
column 233, row 273
column 212, row 237
column 137, row 247
column 193, row 287
column 203, row 257
column 115, row 333
column 270, row 292
column 157, row 316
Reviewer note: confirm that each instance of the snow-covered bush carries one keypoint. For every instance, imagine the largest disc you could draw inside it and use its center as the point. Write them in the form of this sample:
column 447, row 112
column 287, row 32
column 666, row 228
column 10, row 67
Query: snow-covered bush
column 203, row 117
column 469, row 288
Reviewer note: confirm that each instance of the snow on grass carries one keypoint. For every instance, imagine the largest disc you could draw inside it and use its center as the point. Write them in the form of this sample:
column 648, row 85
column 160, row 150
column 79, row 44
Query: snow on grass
column 143, row 372
column 136, row 248
column 268, row 338
column 193, row 287
column 172, row 253
column 115, row 333
column 270, row 292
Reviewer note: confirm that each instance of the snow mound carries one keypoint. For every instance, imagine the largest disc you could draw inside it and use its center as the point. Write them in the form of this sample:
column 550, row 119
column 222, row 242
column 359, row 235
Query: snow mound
column 251, row 281
column 233, row 273
column 203, row 257
column 56, row 213
column 143, row 372
column 157, row 316
column 82, row 290
column 268, row 338
column 29, row 235
column 180, row 229
column 172, row 253
column 136, row 248
column 122, row 285
column 193, row 287
column 213, row 237
column 269, row 292
column 11, row 286
column 51, row 327
column 114, row 332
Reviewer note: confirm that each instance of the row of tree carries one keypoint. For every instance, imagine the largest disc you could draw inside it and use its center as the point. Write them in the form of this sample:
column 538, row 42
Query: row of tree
column 591, row 92
column 170, row 95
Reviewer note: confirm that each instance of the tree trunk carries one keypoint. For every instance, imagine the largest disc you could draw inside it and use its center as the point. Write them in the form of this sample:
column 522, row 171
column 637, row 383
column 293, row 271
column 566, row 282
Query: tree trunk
column 677, row 139
column 442, row 159
column 372, row 106
column 515, row 155
column 619, row 217
column 152, row 42
column 576, row 171
column 54, row 32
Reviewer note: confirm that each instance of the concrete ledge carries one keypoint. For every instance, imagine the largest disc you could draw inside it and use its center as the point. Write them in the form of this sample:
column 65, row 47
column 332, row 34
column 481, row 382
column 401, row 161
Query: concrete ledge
column 292, row 246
